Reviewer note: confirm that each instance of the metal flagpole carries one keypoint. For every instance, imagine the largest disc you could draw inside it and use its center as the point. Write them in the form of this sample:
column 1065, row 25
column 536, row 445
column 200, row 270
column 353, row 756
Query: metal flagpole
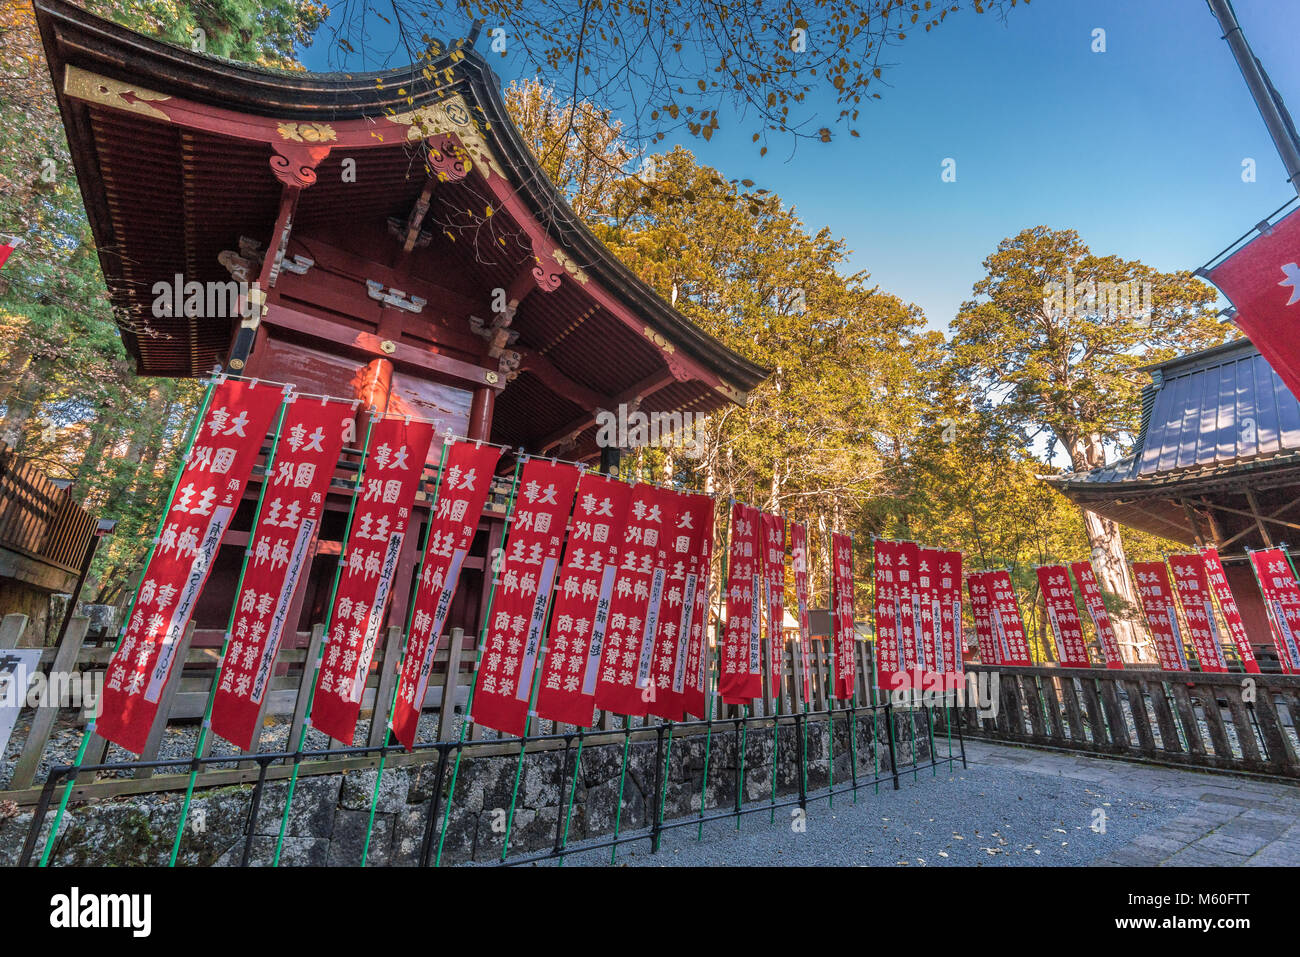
column 90, row 725
column 230, row 624
column 401, row 658
column 329, row 621
column 717, row 665
column 478, row 659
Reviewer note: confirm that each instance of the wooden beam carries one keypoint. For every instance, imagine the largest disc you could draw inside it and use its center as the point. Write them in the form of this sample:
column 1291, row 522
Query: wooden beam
column 1259, row 522
column 647, row 386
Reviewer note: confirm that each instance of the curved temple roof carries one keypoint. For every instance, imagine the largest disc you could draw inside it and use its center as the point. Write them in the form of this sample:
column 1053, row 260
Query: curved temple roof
column 179, row 153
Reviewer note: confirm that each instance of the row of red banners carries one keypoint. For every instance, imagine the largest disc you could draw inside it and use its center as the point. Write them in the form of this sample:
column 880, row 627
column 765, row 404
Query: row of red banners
column 600, row 598
column 918, row 613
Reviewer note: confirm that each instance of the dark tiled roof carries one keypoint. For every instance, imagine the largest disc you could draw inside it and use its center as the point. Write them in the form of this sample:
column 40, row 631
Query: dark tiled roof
column 1206, row 413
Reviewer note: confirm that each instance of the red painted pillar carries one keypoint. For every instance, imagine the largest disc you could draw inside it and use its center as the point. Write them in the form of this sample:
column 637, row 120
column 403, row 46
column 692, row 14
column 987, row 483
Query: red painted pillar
column 480, row 414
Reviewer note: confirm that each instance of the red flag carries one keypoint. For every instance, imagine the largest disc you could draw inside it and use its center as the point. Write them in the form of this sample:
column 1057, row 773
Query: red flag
column 1228, row 605
column 280, row 550
column 1007, row 622
column 740, row 678
column 381, row 517
column 842, row 633
column 677, row 607
column 7, row 247
column 523, row 594
column 1198, row 610
column 623, row 685
column 462, row 492
column 691, row 680
column 1157, row 599
column 1262, row 279
column 927, row 589
column 911, row 647
column 773, row 532
column 888, row 614
column 581, row 615
column 799, row 561
column 981, row 606
column 1096, row 605
column 207, row 494
column 1282, row 600
column 1063, row 615
column 951, row 641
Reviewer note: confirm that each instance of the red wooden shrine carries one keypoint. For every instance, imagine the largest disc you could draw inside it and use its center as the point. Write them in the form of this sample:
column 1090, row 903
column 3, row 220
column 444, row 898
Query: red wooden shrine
column 406, row 249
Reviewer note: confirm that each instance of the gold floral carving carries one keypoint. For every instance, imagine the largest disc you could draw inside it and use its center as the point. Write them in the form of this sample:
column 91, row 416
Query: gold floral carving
column 572, row 268
column 450, row 116
column 307, row 132
column 659, row 340
column 93, row 88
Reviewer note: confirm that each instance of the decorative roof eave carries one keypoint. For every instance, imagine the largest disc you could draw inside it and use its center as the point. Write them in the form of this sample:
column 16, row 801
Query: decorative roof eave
column 1285, row 468
column 303, row 116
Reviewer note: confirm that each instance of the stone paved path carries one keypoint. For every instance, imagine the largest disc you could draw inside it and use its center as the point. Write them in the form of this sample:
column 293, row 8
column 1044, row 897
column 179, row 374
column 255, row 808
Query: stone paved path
column 1011, row 807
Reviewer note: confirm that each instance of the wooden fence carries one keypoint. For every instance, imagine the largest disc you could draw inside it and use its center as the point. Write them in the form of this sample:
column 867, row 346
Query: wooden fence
column 183, row 703
column 38, row 518
column 1229, row 722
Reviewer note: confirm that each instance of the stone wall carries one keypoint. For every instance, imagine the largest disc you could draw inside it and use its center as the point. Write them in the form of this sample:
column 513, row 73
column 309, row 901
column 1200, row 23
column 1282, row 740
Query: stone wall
column 327, row 823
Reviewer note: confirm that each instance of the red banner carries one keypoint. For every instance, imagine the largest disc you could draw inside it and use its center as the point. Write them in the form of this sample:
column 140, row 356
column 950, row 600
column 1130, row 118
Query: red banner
column 740, row 676
column 1282, row 599
column 690, row 677
column 1157, row 599
column 1198, row 611
column 1096, row 605
column 911, row 648
column 623, row 685
column 927, row 588
column 1228, row 605
column 462, row 492
column 845, row 673
column 799, row 562
column 981, row 606
column 773, row 538
column 381, row 516
column 1063, row 615
column 888, row 613
column 280, row 550
column 677, row 614
column 1007, row 622
column 580, row 618
column 211, row 485
column 517, row 617
column 951, row 642
column 1261, row 280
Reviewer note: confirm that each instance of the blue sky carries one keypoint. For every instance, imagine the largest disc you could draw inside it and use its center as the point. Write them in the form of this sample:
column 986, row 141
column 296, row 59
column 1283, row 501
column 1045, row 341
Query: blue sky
column 1139, row 148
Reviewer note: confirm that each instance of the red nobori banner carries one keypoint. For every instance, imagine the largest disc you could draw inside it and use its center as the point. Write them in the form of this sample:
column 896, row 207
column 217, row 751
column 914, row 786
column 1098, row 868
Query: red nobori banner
column 888, row 614
column 695, row 678
column 207, row 494
column 462, row 492
column 1198, row 610
column 740, row 676
column 845, row 671
column 951, row 640
column 381, row 519
column 280, row 550
column 1007, row 622
column 1063, row 616
column 677, row 617
column 799, row 563
column 1096, row 605
column 927, row 586
column 1228, row 605
column 580, row 618
column 1282, row 599
column 517, row 618
column 1157, row 597
column 772, row 528
column 623, row 685
column 981, row 606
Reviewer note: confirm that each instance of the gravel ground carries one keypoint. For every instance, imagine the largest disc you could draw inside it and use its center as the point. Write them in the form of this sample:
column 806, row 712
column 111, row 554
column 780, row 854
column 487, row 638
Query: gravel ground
column 976, row 817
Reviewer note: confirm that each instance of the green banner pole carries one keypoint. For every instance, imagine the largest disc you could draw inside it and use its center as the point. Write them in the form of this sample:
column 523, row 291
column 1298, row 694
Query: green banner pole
column 478, row 657
column 401, row 658
column 162, row 519
column 716, row 661
column 329, row 621
column 230, row 624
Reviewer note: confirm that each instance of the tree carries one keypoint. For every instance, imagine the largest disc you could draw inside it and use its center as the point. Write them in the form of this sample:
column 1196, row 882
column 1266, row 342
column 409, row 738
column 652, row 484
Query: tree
column 1054, row 340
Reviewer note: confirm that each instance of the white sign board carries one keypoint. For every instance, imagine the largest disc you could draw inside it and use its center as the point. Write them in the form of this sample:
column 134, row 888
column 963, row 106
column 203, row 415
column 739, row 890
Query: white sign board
column 17, row 668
